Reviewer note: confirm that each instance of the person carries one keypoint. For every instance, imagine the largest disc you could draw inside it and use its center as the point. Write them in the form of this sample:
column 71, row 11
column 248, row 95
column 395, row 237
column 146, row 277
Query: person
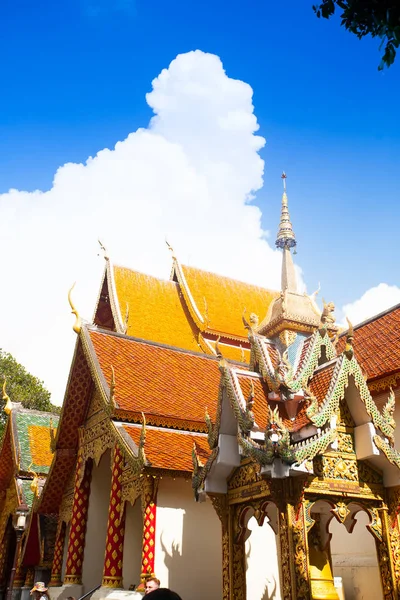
column 152, row 583
column 163, row 594
column 39, row 591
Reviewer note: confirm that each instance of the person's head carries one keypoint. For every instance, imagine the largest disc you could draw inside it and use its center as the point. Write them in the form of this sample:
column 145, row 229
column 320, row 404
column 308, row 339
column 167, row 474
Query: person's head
column 152, row 583
column 38, row 589
column 163, row 594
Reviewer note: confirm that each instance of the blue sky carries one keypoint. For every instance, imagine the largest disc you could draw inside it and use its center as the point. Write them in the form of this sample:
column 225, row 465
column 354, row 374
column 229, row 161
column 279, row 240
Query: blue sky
column 74, row 77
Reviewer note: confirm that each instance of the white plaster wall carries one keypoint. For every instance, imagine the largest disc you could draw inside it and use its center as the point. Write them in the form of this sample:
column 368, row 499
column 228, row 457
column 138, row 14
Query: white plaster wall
column 354, row 559
column 188, row 555
column 65, row 551
column 99, row 502
column 263, row 560
column 132, row 544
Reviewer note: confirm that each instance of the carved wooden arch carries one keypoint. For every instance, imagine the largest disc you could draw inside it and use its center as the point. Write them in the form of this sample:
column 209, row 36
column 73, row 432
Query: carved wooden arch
column 327, row 516
column 258, row 510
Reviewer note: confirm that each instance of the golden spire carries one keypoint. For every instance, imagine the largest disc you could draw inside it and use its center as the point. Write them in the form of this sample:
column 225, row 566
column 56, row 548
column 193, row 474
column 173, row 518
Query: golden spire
column 78, row 322
column 285, row 240
column 285, row 237
column 6, row 398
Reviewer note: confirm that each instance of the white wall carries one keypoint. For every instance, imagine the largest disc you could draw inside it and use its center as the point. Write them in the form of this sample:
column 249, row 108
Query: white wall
column 354, row 559
column 99, row 502
column 263, row 560
column 132, row 544
column 188, row 556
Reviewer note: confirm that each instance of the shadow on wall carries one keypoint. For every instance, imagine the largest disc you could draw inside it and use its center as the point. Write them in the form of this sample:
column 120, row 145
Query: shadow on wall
column 268, row 592
column 174, row 562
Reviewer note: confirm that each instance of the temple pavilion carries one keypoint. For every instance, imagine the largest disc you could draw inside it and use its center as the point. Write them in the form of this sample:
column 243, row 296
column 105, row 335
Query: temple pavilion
column 25, row 459
column 251, row 402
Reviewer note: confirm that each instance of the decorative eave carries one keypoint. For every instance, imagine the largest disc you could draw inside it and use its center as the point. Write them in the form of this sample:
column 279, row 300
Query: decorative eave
column 190, row 303
column 107, row 395
column 114, row 303
column 381, row 384
column 344, row 369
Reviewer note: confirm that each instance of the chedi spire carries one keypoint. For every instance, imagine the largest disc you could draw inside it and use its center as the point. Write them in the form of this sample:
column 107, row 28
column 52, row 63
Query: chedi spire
column 286, row 240
column 285, row 237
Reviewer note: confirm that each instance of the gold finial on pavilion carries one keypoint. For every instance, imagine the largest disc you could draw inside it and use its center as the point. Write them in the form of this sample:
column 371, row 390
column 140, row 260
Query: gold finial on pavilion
column 349, row 341
column 78, row 322
column 126, row 320
column 142, row 441
column 6, row 398
column 52, row 437
column 35, row 481
column 104, row 250
column 217, row 349
column 112, row 388
column 242, row 354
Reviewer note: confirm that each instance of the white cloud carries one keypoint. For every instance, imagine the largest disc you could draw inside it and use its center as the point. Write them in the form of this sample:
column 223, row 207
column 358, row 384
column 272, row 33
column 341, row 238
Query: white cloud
column 374, row 301
column 189, row 177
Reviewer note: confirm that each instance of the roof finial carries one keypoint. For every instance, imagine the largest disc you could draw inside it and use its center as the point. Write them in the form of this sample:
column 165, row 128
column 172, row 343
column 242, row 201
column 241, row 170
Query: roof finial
column 285, row 237
column 78, row 323
column 6, row 397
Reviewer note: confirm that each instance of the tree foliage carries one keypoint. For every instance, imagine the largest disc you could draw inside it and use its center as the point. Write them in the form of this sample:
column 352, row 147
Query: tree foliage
column 378, row 18
column 23, row 387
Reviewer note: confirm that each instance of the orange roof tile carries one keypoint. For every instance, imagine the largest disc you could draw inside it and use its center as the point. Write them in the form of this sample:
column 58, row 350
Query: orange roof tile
column 221, row 300
column 169, row 449
column 303, row 353
column 377, row 344
column 320, row 382
column 158, row 380
column 157, row 311
column 39, row 440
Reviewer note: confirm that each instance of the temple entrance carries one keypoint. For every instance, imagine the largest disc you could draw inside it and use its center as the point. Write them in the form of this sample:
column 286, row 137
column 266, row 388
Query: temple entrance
column 354, row 556
column 342, row 553
column 262, row 554
column 96, row 531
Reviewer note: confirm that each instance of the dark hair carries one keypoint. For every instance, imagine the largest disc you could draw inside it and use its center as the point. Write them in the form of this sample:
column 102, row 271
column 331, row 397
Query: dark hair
column 162, row 594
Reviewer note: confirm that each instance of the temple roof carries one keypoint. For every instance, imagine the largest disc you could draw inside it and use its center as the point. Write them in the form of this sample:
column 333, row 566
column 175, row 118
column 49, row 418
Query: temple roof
column 377, row 343
column 172, row 450
column 157, row 311
column 216, row 303
column 26, row 443
column 170, row 386
column 32, row 439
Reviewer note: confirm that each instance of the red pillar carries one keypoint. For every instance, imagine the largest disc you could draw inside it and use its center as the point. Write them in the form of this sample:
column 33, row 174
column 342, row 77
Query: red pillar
column 77, row 533
column 113, row 560
column 149, row 507
column 55, row 580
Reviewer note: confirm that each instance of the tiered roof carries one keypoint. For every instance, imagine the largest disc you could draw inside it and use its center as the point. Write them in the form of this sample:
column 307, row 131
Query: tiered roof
column 190, row 311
